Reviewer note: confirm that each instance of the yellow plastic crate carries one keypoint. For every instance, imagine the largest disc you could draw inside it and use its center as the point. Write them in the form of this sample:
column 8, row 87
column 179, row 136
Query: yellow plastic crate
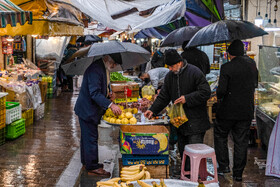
column 28, row 116
column 129, row 99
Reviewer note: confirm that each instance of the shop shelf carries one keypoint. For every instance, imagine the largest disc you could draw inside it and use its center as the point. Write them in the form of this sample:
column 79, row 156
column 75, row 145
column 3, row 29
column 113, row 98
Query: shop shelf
column 28, row 116
column 15, row 129
column 128, row 160
column 13, row 112
column 2, row 136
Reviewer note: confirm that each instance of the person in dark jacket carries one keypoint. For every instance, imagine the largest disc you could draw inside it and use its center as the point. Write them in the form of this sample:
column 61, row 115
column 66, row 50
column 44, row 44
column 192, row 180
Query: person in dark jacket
column 237, row 82
column 184, row 84
column 157, row 60
column 91, row 105
column 196, row 57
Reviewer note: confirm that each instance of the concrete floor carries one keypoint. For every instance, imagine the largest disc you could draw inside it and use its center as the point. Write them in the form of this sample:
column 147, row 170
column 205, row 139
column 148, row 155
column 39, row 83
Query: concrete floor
column 48, row 154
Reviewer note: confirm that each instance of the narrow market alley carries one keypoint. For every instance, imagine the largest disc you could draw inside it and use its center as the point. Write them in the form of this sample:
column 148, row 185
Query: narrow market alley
column 48, row 154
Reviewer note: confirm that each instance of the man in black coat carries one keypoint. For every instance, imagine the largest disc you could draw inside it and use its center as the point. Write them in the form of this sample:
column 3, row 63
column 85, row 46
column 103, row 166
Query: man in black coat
column 196, row 57
column 237, row 82
column 184, row 84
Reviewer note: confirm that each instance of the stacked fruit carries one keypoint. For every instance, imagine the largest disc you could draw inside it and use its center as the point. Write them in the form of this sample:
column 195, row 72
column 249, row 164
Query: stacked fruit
column 125, row 118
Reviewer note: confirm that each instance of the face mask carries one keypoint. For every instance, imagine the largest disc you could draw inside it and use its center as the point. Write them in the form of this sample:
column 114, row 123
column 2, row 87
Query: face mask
column 147, row 80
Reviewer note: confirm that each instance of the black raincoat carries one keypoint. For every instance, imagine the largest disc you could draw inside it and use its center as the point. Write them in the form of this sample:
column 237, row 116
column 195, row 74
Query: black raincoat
column 191, row 83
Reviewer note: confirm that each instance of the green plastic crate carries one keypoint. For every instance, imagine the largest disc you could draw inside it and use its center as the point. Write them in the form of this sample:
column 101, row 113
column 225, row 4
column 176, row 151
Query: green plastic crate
column 15, row 129
column 2, row 136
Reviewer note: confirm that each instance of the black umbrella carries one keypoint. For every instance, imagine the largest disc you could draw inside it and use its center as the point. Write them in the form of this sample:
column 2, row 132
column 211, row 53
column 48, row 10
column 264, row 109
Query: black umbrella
column 89, row 38
column 225, row 31
column 178, row 36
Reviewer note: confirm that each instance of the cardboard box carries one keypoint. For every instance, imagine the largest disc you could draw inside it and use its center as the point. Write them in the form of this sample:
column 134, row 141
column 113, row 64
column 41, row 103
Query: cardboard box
column 156, row 171
column 122, row 95
column 121, row 87
column 144, row 140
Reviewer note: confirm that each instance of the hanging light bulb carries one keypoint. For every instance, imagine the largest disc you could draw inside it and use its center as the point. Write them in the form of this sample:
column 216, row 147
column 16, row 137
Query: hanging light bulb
column 270, row 26
column 258, row 19
column 265, row 20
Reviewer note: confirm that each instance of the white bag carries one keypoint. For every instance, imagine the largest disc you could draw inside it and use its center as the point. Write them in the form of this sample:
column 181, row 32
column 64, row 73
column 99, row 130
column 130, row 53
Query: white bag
column 273, row 153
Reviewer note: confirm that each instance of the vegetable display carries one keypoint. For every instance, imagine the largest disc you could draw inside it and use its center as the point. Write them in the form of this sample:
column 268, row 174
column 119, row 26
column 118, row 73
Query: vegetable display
column 116, row 76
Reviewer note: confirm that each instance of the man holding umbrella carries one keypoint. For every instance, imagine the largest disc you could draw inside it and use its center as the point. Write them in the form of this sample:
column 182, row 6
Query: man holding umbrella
column 184, row 84
column 237, row 82
column 90, row 106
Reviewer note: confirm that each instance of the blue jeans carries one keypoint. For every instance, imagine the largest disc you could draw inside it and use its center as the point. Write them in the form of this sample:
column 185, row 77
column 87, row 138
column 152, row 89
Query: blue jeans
column 89, row 144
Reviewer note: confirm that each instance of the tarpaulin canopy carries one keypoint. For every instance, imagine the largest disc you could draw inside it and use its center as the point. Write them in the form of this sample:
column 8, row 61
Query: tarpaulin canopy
column 161, row 31
column 42, row 28
column 12, row 14
column 128, row 15
column 204, row 12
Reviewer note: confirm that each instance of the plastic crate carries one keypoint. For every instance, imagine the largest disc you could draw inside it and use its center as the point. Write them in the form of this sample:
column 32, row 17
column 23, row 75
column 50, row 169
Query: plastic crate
column 3, row 99
column 2, row 117
column 13, row 112
column 28, row 116
column 15, row 129
column 40, row 111
column 2, row 136
column 128, row 160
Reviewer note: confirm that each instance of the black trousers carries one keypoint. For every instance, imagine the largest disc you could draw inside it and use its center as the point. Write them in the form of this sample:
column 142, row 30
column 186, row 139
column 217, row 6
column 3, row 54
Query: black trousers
column 189, row 139
column 240, row 130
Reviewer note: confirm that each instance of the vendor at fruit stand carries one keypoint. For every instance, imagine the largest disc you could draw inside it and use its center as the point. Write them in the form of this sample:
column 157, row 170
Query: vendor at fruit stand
column 184, row 84
column 91, row 105
column 155, row 76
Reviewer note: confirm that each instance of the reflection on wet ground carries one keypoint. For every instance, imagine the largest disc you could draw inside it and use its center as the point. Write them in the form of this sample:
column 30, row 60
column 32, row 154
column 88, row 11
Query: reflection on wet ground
column 40, row 156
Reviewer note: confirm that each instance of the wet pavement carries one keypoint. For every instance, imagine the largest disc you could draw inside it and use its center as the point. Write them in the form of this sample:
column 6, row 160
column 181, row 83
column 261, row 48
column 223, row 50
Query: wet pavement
column 48, row 154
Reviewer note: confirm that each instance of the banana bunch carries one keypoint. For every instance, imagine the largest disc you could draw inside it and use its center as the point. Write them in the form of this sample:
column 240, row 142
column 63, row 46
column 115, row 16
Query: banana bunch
column 154, row 184
column 114, row 182
column 134, row 173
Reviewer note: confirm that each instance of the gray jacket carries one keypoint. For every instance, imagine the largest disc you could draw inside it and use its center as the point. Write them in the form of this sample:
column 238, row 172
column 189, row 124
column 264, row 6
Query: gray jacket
column 157, row 76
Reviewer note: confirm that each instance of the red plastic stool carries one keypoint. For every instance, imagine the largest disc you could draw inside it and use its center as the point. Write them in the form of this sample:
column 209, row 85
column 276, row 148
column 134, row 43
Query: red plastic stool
column 198, row 154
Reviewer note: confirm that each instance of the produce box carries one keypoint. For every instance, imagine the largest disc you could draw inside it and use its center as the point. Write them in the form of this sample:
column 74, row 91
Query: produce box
column 121, row 87
column 120, row 95
column 144, row 140
column 28, row 116
column 123, row 100
column 156, row 171
column 13, row 111
column 129, row 160
column 15, row 129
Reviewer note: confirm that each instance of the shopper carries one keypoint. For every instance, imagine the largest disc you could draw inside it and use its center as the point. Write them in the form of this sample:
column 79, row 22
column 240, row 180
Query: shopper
column 155, row 76
column 196, row 57
column 237, row 82
column 184, row 84
column 157, row 60
column 91, row 105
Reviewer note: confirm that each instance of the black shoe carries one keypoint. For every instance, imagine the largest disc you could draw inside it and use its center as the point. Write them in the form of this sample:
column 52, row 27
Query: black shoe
column 221, row 171
column 237, row 179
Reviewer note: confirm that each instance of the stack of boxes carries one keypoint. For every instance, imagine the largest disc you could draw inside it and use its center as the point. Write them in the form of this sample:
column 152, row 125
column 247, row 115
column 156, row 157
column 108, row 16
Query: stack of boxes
column 145, row 145
column 119, row 90
column 15, row 125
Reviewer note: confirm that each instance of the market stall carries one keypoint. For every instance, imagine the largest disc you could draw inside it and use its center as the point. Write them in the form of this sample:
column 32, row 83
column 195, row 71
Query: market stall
column 268, row 92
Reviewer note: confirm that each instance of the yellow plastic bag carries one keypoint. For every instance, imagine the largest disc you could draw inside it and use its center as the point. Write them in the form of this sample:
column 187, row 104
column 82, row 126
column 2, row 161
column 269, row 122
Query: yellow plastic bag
column 148, row 92
column 177, row 115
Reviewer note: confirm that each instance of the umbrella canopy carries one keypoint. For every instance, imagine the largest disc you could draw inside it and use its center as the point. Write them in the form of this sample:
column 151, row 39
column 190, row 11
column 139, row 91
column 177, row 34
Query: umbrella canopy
column 89, row 38
column 12, row 14
column 178, row 36
column 225, row 31
column 131, row 54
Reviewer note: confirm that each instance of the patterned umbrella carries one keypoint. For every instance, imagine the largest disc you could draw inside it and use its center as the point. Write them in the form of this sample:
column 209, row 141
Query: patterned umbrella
column 12, row 14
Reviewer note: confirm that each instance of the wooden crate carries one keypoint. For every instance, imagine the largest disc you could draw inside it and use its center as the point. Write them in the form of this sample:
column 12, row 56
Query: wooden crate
column 156, row 171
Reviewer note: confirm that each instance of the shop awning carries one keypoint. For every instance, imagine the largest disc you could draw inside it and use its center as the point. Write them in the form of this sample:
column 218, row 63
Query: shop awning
column 44, row 27
column 12, row 14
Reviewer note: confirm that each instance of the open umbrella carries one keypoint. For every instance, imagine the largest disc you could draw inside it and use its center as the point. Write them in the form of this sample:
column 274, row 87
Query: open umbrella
column 89, row 38
column 131, row 54
column 178, row 36
column 225, row 31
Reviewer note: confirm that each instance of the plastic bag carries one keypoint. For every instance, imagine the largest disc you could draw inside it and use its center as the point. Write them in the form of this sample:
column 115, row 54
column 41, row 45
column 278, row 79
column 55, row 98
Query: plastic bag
column 148, row 92
column 177, row 115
